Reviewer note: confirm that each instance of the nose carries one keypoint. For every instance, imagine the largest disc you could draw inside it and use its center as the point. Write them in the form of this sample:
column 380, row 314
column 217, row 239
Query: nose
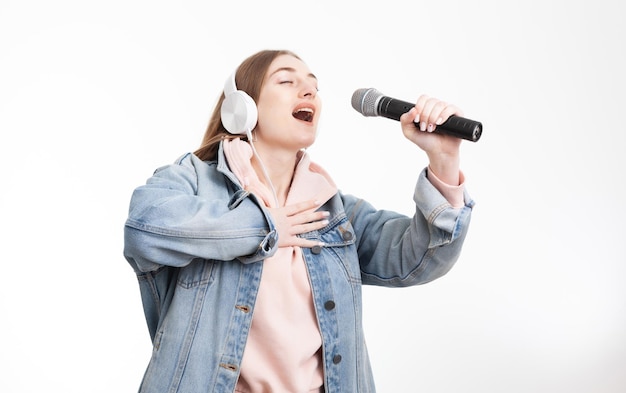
column 309, row 89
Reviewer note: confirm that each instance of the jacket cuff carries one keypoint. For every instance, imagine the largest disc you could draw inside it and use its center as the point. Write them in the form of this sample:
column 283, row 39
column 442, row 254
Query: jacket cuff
column 453, row 194
column 445, row 223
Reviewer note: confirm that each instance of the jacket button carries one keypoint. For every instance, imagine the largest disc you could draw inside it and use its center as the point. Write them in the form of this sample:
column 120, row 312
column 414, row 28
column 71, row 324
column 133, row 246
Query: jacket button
column 347, row 236
column 316, row 249
column 337, row 359
column 329, row 305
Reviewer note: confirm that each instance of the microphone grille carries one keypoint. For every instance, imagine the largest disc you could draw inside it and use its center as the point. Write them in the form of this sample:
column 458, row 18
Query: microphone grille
column 365, row 101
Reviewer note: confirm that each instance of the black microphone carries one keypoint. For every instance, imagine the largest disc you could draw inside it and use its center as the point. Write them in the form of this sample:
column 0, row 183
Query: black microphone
column 371, row 102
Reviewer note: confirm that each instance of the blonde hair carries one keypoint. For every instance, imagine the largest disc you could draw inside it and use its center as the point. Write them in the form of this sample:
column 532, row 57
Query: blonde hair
column 249, row 78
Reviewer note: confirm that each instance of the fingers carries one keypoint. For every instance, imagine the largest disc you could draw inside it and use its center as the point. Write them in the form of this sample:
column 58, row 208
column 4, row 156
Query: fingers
column 301, row 242
column 297, row 219
column 306, row 218
column 407, row 118
column 319, row 221
column 301, row 207
column 432, row 112
column 299, row 213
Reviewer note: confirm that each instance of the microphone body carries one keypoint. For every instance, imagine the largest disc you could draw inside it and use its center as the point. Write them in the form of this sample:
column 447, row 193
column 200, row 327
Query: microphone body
column 370, row 102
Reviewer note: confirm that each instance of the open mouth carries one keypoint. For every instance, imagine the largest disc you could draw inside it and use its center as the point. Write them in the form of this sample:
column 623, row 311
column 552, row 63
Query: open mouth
column 304, row 114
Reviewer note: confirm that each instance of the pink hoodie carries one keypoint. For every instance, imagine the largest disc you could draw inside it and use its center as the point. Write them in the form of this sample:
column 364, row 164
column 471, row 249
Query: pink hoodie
column 283, row 351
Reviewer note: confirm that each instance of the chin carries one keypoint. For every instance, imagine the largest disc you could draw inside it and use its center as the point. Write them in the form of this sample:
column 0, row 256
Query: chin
column 309, row 140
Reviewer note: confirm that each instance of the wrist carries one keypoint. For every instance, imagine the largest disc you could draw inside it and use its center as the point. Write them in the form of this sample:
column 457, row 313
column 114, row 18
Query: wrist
column 446, row 167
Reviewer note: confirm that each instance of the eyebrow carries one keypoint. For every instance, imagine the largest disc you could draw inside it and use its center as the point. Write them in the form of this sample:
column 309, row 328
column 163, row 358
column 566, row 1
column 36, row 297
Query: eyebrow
column 291, row 69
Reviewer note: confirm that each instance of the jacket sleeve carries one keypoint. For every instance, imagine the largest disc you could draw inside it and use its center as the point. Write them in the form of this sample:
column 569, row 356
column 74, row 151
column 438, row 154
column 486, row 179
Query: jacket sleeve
column 396, row 250
column 174, row 219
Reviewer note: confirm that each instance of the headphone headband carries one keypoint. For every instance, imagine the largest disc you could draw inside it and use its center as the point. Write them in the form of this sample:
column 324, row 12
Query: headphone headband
column 230, row 86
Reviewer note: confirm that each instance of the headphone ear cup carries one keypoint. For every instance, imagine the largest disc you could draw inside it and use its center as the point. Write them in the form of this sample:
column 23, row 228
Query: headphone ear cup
column 238, row 113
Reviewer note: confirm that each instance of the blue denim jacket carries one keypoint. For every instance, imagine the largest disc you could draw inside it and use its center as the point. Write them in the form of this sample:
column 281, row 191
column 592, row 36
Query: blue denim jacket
column 197, row 242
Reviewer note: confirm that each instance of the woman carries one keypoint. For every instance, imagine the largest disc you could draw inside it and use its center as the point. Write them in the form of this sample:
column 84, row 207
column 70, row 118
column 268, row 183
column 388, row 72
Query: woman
column 250, row 261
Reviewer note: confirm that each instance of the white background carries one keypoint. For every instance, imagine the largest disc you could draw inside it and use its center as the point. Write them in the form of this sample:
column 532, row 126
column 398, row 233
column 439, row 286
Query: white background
column 95, row 95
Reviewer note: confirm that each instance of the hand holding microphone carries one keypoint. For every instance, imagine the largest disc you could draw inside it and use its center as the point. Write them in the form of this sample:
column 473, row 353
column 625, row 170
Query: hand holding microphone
column 370, row 102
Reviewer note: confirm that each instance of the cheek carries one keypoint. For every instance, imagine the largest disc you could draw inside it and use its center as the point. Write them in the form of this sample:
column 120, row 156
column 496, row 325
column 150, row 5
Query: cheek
column 269, row 118
column 271, row 122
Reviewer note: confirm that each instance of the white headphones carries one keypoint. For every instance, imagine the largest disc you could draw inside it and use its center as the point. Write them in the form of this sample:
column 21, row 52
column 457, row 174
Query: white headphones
column 238, row 112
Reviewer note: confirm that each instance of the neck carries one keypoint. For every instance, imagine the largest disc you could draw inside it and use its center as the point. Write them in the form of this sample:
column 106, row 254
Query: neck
column 279, row 166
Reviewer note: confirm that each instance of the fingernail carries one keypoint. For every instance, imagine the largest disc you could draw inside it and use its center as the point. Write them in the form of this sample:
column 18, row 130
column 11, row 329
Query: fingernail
column 423, row 126
column 324, row 222
column 439, row 121
column 431, row 127
column 417, row 119
column 321, row 244
column 326, row 213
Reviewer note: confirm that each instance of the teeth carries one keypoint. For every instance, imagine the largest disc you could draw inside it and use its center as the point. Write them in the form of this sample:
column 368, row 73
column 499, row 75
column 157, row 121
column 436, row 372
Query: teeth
column 305, row 114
